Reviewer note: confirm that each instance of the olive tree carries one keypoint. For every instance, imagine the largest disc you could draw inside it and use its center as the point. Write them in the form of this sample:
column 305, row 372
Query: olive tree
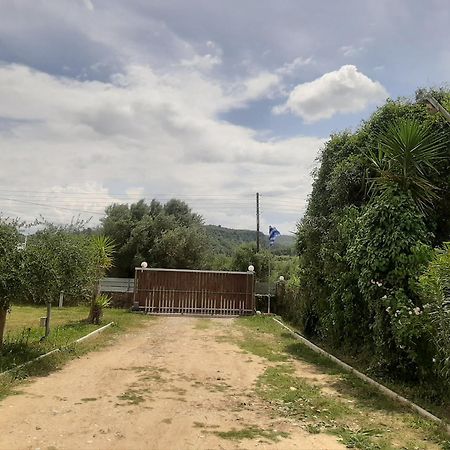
column 11, row 270
column 59, row 259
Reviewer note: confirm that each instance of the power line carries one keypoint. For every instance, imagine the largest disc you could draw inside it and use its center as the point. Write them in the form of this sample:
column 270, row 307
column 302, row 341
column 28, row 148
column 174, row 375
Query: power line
column 49, row 206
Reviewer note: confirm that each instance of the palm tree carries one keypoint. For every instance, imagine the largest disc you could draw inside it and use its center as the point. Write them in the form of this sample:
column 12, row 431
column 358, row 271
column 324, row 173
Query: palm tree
column 408, row 153
column 103, row 249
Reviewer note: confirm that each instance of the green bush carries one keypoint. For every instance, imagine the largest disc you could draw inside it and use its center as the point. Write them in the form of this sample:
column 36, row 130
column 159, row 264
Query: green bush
column 379, row 205
column 435, row 290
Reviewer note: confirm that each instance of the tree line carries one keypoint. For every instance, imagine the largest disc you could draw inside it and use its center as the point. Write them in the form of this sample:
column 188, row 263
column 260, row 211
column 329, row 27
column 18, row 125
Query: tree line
column 172, row 236
column 54, row 259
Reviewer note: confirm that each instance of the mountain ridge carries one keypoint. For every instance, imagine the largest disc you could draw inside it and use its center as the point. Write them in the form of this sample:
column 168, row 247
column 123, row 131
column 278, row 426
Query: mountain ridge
column 225, row 240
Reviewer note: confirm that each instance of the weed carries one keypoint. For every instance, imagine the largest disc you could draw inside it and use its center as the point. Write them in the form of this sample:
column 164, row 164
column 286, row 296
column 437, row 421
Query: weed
column 131, row 397
column 362, row 439
column 313, row 429
column 204, row 425
column 251, row 432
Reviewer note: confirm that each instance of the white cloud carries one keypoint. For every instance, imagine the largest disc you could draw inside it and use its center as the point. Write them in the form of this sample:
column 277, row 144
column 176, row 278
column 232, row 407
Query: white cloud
column 291, row 68
column 351, row 50
column 89, row 5
column 79, row 145
column 342, row 91
column 202, row 62
column 262, row 85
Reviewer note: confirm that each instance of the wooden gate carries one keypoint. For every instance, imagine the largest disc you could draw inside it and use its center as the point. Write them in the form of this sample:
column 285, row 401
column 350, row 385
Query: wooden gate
column 173, row 291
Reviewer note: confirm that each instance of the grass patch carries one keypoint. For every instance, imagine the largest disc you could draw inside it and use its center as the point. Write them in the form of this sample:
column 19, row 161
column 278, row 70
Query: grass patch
column 294, row 396
column 301, row 351
column 364, row 439
column 365, row 395
column 358, row 413
column 219, row 387
column 23, row 342
column 261, row 348
column 251, row 432
column 432, row 431
column 203, row 324
column 19, row 350
column 204, row 425
column 425, row 395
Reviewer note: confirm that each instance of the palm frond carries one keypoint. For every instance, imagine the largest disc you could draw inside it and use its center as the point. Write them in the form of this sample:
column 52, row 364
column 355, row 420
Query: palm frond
column 407, row 154
column 104, row 249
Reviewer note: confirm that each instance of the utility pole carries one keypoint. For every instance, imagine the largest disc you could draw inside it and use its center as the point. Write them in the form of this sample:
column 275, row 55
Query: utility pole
column 257, row 222
column 435, row 106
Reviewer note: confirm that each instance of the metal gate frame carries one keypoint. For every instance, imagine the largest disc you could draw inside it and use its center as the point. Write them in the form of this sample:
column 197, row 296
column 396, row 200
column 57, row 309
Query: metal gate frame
column 194, row 292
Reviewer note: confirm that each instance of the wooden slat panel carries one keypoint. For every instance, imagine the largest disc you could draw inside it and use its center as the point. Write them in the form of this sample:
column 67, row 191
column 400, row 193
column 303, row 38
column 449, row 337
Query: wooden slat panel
column 161, row 291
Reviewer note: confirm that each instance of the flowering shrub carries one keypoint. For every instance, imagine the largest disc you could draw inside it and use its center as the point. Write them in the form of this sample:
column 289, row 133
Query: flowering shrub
column 388, row 252
column 435, row 290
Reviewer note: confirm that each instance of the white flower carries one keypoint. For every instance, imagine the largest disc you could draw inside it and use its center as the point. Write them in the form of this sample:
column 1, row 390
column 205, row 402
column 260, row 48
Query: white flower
column 434, row 360
column 384, row 297
column 410, row 313
column 388, row 309
column 416, row 310
column 379, row 283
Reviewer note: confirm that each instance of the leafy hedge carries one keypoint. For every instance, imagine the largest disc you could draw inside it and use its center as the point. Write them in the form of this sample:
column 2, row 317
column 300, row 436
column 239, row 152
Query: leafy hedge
column 369, row 281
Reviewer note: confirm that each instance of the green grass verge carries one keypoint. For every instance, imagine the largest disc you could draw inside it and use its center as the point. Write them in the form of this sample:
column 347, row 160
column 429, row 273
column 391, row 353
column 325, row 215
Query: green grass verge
column 425, row 395
column 22, row 341
column 357, row 413
column 23, row 345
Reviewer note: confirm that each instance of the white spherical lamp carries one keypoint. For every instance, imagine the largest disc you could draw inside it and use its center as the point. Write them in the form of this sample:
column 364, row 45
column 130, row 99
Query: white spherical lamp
column 251, row 268
column 144, row 264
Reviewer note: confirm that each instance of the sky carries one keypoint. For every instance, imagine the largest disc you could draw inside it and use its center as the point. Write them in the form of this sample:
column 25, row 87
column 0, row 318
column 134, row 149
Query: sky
column 106, row 101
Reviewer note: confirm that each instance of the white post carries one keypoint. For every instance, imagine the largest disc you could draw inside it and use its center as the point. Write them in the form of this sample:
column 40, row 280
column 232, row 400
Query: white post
column 61, row 299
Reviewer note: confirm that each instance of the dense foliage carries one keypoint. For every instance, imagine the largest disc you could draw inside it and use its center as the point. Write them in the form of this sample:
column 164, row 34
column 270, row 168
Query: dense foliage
column 173, row 236
column 169, row 236
column 11, row 275
column 380, row 203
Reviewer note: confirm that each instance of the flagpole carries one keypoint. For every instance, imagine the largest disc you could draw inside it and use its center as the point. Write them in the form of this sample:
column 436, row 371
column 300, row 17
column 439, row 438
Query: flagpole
column 268, row 284
column 273, row 234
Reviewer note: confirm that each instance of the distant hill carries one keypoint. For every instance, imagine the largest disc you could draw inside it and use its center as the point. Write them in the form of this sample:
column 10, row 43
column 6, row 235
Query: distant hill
column 225, row 240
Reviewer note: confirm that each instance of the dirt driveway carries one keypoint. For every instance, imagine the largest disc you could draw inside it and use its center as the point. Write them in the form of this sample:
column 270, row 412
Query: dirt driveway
column 171, row 385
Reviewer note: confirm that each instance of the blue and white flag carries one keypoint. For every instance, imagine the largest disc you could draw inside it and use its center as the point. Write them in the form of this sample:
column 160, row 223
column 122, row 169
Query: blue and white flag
column 273, row 234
